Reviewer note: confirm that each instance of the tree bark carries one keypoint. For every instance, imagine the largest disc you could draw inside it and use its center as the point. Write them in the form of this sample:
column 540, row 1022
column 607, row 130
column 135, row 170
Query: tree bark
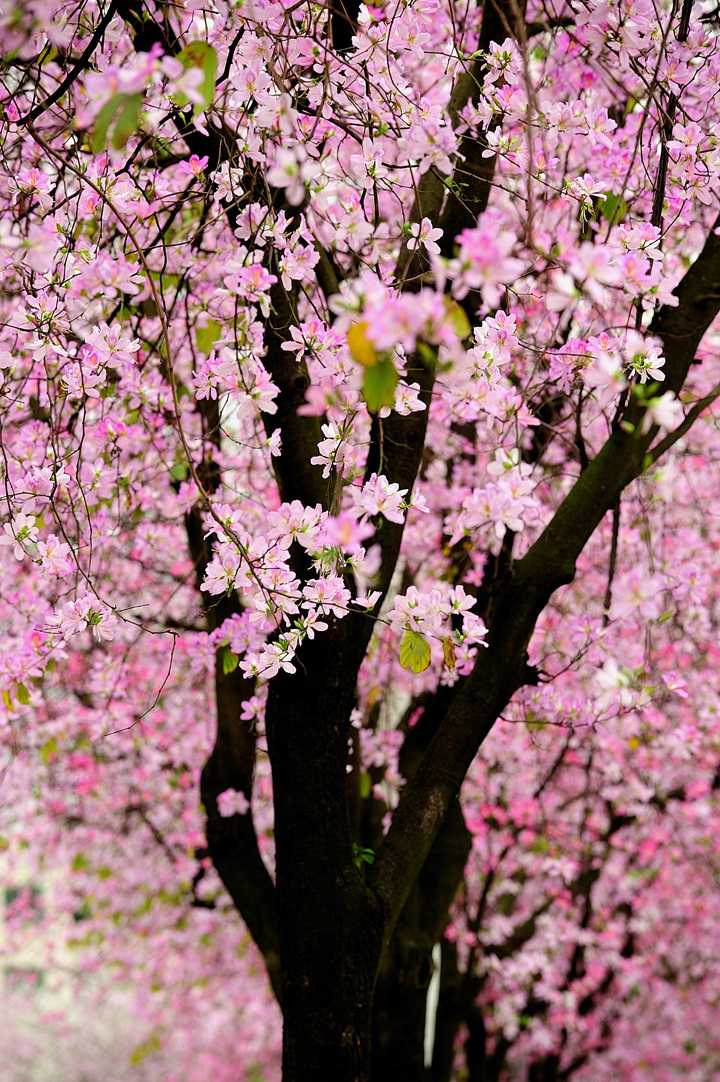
column 406, row 968
column 331, row 926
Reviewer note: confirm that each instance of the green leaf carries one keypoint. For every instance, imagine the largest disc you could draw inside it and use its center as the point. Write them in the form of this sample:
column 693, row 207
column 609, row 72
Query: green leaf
column 414, row 652
column 145, row 1049
column 379, row 385
column 198, row 54
column 80, row 863
column 230, row 662
column 365, row 786
column 361, row 855
column 428, row 354
column 23, row 695
column 49, row 750
column 179, row 471
column 127, row 121
column 209, row 69
column 7, row 698
column 458, row 319
column 613, row 208
column 103, row 121
column 207, row 336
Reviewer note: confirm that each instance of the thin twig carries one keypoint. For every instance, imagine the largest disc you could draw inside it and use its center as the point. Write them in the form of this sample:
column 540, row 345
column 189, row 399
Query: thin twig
column 72, row 76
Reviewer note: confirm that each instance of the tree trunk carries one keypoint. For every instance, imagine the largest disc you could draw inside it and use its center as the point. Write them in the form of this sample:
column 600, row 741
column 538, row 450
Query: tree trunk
column 545, row 1070
column 329, row 974
column 482, row 1065
column 331, row 925
column 400, row 1005
column 407, row 967
column 452, row 1008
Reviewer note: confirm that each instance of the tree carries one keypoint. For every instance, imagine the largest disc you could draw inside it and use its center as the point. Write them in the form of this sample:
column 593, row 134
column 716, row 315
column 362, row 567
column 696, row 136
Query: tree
column 342, row 354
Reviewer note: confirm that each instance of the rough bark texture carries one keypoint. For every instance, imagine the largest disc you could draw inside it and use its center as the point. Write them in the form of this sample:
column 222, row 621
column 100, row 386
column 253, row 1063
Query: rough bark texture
column 330, row 923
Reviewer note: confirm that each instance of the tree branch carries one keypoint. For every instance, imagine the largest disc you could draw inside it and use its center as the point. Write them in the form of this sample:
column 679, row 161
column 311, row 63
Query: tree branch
column 526, row 589
column 677, row 433
column 296, row 476
column 232, row 841
column 77, row 69
column 396, row 449
column 499, row 19
column 297, row 479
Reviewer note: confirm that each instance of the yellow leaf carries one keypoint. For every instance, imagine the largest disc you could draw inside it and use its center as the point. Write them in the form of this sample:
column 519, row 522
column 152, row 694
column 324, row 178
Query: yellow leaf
column 449, row 652
column 414, row 652
column 145, row 1049
column 360, row 346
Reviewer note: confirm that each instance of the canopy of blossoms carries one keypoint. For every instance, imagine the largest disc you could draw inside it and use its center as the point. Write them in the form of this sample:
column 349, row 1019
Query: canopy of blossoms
column 318, row 332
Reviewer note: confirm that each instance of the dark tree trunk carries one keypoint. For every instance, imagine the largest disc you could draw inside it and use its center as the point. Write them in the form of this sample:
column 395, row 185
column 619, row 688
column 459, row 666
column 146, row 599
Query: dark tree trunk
column 452, row 1008
column 407, row 966
column 329, row 972
column 330, row 924
column 545, row 1070
column 483, row 1065
column 400, row 1004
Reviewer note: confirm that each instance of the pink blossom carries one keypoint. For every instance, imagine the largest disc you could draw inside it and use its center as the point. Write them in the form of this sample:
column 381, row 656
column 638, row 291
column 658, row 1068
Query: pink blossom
column 20, row 532
column 260, row 394
column 327, row 596
column 665, row 411
column 638, row 590
column 368, row 166
column 114, row 346
column 54, row 554
column 85, row 612
column 346, row 531
column 423, row 233
column 231, row 802
column 379, row 497
column 252, row 282
column 293, row 522
column 484, row 262
column 195, row 166
column 292, row 171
